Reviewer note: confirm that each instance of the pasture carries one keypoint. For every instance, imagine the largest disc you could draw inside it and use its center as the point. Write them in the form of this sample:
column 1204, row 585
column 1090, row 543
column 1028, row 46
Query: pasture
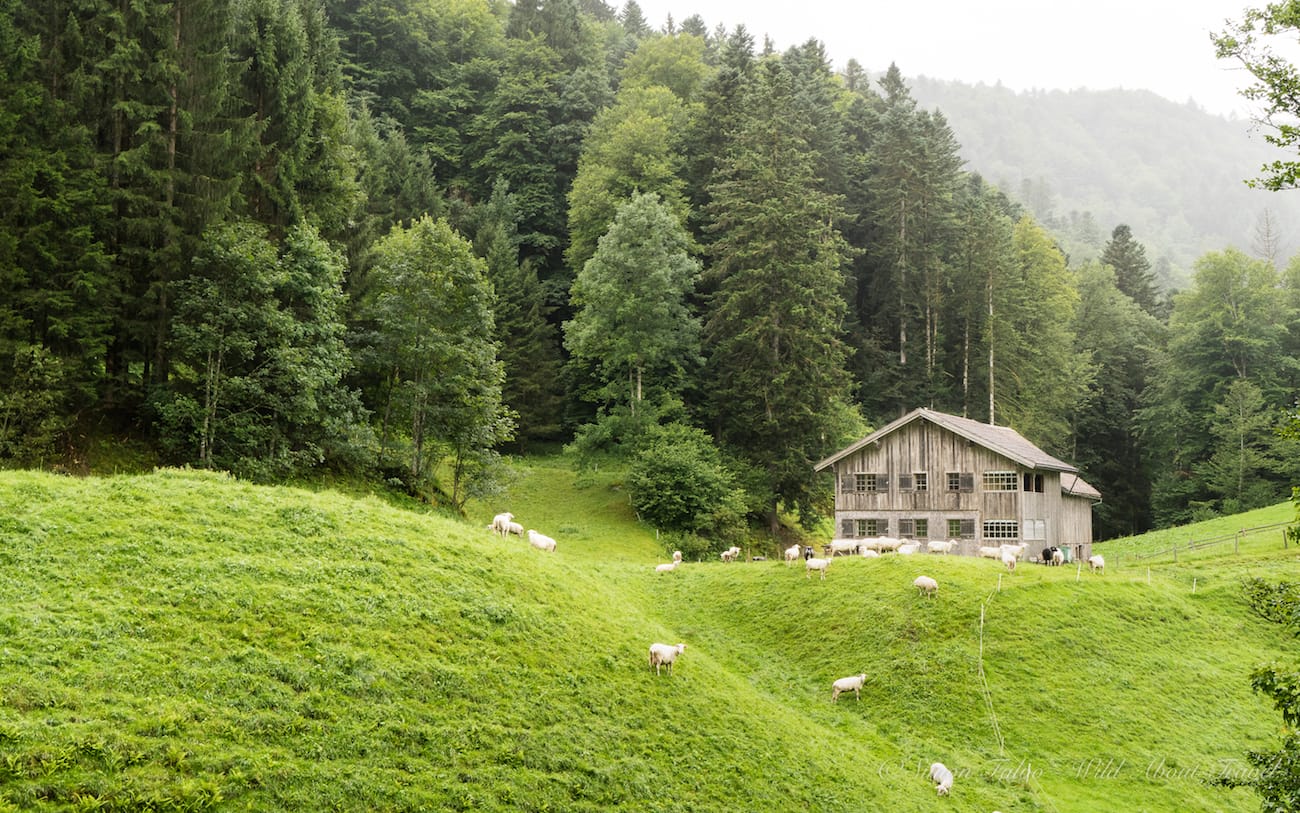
column 185, row 641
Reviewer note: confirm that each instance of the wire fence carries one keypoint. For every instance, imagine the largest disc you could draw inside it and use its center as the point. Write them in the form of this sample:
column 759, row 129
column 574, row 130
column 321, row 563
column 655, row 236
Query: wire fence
column 1285, row 533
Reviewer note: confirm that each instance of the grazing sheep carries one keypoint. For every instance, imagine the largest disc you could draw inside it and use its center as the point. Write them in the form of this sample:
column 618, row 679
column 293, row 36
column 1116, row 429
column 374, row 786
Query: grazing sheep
column 1097, row 563
column 1010, row 561
column 1058, row 558
column 991, row 552
column 844, row 546
column 817, row 564
column 513, row 528
column 884, row 543
column 942, row 778
column 666, row 568
column 730, row 554
column 540, row 541
column 665, row 655
column 792, row 553
column 908, row 548
column 499, row 522
column 937, row 546
column 1014, row 550
column 926, row 585
column 848, row 684
column 868, row 553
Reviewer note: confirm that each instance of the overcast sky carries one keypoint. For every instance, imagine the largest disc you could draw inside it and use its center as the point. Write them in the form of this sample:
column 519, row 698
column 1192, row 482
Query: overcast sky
column 1157, row 45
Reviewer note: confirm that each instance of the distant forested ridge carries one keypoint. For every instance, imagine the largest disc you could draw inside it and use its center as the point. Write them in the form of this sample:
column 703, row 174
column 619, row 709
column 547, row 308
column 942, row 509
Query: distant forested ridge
column 397, row 238
column 1084, row 160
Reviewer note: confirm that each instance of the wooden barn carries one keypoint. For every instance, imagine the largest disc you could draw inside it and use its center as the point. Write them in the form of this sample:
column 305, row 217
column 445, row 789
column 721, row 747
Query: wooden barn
column 931, row 476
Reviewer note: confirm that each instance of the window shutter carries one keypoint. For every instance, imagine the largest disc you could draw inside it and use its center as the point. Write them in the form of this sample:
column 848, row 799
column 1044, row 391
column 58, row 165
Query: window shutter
column 967, row 528
column 904, row 482
column 846, row 528
column 906, row 528
column 967, row 481
column 846, row 483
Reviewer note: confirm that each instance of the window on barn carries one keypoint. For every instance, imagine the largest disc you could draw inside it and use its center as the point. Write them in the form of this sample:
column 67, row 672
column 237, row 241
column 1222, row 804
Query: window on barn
column 906, row 528
column 1036, row 530
column 922, row 529
column 870, row 527
column 961, row 481
column 1001, row 529
column 1001, row 481
column 961, row 529
column 868, row 482
column 1033, row 482
column 904, row 482
column 921, row 481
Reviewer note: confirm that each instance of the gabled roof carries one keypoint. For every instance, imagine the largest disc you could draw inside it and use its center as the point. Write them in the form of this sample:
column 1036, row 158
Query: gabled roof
column 1075, row 486
column 1001, row 439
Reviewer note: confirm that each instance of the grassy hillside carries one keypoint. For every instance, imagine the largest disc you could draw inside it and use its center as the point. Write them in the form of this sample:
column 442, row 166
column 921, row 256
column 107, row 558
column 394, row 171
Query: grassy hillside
column 182, row 640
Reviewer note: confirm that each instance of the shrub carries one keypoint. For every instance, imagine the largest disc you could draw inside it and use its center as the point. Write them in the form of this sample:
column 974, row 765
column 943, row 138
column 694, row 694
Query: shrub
column 678, row 483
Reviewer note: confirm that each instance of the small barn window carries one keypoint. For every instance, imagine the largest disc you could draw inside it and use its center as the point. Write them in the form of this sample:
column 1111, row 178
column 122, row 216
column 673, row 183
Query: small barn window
column 906, row 528
column 961, row 481
column 867, row 482
column 1001, row 529
column 921, row 481
column 869, row 527
column 961, row 529
column 1033, row 482
column 921, row 529
column 1001, row 481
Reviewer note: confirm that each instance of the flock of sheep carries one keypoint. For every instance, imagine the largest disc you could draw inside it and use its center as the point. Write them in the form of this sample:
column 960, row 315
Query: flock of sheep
column 662, row 655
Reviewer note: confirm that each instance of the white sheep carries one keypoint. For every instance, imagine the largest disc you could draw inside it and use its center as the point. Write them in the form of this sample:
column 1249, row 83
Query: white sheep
column 677, row 556
column 499, row 522
column 991, row 552
column 909, row 548
column 730, row 554
column 884, row 543
column 926, row 586
column 869, row 553
column 1097, row 563
column 540, row 541
column 665, row 655
column 844, row 546
column 817, row 564
column 1014, row 550
column 937, row 546
column 848, row 684
column 513, row 528
column 942, row 778
column 666, row 568
column 1009, row 560
column 792, row 553
column 1058, row 558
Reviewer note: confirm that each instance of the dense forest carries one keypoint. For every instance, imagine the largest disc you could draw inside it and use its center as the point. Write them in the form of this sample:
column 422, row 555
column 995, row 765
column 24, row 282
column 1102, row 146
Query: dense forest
column 397, row 237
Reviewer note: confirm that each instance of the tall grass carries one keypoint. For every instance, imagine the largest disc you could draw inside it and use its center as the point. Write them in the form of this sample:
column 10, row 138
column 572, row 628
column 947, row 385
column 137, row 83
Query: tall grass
column 184, row 641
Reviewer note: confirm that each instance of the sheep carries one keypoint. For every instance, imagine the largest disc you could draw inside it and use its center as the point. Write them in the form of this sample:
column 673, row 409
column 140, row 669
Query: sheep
column 666, row 568
column 1097, row 563
column 1009, row 560
column 499, row 522
column 677, row 557
column 868, row 553
column 942, row 778
column 926, row 586
column 844, row 546
column 884, row 543
column 1058, row 558
column 665, row 655
column 730, row 554
column 540, row 541
column 990, row 552
column 936, row 546
column 792, row 553
column 908, row 548
column 817, row 564
column 848, row 684
column 1014, row 550
column 513, row 528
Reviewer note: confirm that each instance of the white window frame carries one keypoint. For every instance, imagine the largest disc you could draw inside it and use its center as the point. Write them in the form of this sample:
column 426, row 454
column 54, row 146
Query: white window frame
column 1001, row 529
column 1001, row 481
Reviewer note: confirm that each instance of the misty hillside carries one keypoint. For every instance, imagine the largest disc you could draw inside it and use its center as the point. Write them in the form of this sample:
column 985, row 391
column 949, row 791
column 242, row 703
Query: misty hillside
column 1172, row 172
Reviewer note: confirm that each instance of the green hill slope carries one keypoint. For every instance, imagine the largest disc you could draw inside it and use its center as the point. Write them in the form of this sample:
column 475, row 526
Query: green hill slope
column 185, row 641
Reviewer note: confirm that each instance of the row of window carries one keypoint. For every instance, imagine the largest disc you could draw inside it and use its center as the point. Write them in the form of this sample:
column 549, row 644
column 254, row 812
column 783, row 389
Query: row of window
column 919, row 528
column 963, row 482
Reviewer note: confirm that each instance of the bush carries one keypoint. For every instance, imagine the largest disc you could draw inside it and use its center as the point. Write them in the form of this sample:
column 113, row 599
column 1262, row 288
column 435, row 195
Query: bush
column 679, row 484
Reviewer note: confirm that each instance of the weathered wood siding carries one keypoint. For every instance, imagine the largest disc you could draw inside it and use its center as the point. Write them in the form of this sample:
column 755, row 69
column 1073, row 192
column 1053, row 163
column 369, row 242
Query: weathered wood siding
column 1044, row 518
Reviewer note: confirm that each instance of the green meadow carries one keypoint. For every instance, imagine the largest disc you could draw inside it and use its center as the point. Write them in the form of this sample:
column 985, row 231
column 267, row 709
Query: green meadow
column 185, row 641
